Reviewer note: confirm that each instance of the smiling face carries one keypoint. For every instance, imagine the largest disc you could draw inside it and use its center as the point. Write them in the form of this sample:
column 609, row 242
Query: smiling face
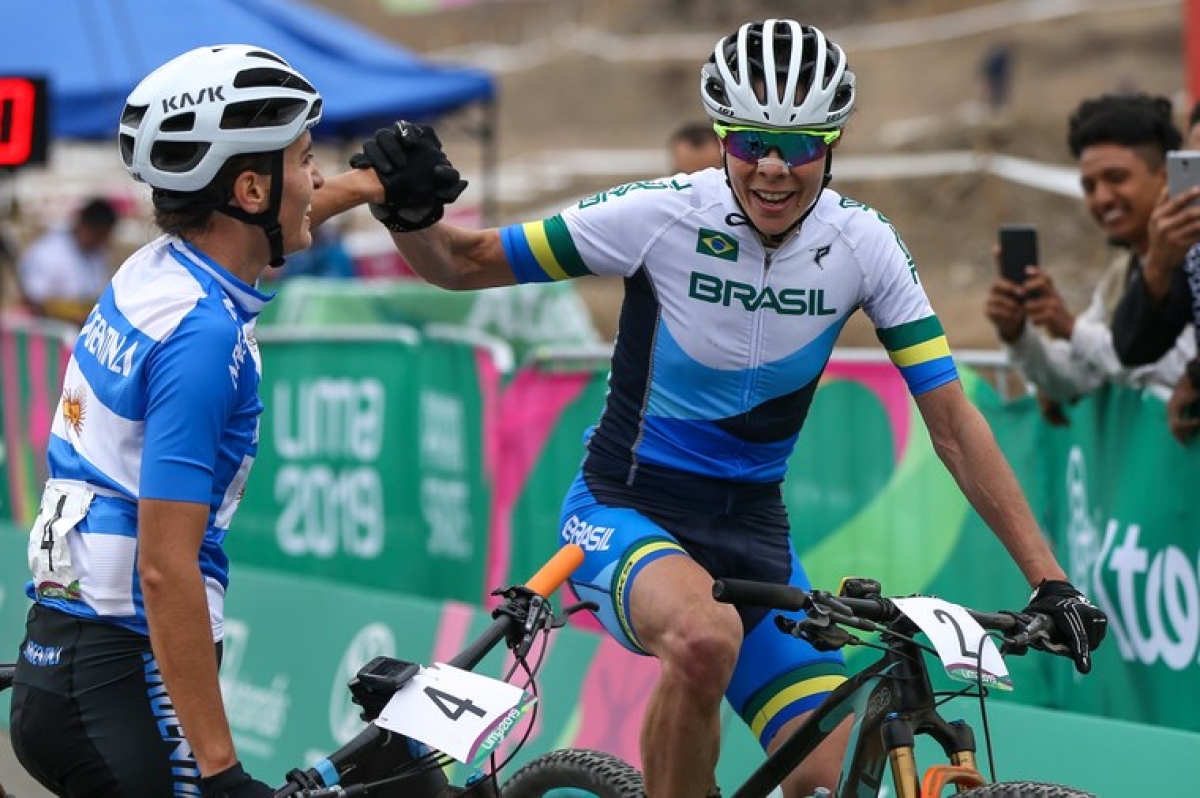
column 301, row 178
column 1120, row 188
column 771, row 193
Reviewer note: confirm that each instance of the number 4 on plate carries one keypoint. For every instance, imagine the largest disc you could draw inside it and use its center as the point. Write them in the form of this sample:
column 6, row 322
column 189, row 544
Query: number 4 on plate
column 457, row 712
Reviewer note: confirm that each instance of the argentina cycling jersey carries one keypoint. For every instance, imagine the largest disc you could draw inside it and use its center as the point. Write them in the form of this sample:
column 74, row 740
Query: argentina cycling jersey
column 721, row 341
column 160, row 401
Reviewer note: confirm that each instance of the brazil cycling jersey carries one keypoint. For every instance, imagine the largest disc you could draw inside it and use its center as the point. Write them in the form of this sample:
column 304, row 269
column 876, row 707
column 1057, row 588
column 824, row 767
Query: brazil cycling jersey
column 160, row 401
column 722, row 341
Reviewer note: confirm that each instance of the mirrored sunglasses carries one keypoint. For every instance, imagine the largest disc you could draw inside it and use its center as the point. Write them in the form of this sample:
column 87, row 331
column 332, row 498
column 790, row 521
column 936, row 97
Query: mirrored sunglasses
column 796, row 147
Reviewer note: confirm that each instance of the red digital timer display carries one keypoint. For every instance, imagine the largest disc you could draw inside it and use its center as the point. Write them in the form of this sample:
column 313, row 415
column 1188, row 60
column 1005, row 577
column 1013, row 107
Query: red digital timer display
column 23, row 138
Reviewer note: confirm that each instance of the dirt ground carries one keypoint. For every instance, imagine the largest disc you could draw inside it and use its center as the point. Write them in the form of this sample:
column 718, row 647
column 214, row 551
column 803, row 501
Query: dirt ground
column 913, row 98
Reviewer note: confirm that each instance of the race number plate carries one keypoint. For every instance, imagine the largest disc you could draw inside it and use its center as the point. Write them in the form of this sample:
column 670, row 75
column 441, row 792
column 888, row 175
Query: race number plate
column 460, row 713
column 968, row 653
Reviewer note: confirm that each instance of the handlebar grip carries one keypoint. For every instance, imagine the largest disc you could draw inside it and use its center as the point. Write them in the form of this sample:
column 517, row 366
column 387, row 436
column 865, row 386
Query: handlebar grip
column 556, row 570
column 758, row 594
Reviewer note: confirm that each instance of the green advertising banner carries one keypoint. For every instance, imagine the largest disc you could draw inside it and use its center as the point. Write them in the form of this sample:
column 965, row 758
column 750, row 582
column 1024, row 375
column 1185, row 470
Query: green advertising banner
column 292, row 643
column 373, row 463
column 1127, row 520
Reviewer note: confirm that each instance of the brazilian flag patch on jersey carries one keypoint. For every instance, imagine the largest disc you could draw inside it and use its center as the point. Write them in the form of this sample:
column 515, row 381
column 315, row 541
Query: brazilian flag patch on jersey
column 716, row 245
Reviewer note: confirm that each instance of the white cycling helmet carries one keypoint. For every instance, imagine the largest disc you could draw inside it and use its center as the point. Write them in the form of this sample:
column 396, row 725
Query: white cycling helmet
column 802, row 75
column 188, row 117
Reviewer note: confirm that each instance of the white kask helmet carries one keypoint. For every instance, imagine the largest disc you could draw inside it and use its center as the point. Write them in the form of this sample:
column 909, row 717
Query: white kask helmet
column 188, row 117
column 803, row 76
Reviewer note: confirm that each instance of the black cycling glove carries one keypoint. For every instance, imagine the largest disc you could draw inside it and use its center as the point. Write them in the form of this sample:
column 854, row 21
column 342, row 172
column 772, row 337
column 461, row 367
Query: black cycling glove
column 418, row 179
column 234, row 782
column 1079, row 625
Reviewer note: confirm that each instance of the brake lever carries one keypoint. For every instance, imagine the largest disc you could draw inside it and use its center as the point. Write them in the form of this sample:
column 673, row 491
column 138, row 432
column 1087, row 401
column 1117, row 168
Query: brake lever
column 541, row 615
column 821, row 633
column 574, row 608
column 1036, row 634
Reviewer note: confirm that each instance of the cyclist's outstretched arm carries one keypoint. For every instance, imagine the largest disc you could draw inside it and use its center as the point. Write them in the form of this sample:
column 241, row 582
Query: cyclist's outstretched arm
column 342, row 192
column 968, row 448
column 455, row 257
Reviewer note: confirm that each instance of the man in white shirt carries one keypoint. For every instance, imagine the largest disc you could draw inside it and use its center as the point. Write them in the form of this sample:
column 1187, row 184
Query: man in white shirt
column 1120, row 143
column 63, row 272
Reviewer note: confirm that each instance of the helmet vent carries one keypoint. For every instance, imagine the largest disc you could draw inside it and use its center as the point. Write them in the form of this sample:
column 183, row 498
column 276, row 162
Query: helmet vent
column 180, row 123
column 125, row 141
column 261, row 113
column 132, row 115
column 270, row 77
column 266, row 54
column 716, row 89
column 176, row 156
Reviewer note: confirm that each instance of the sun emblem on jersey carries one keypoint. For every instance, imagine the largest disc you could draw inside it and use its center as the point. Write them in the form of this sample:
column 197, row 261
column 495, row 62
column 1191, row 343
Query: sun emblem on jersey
column 74, row 408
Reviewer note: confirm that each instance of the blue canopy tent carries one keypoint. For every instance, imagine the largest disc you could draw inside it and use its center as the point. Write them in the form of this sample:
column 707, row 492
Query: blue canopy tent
column 93, row 54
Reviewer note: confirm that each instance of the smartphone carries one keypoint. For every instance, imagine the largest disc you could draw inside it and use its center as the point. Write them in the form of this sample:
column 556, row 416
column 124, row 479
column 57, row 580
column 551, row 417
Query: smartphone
column 1183, row 171
column 1018, row 249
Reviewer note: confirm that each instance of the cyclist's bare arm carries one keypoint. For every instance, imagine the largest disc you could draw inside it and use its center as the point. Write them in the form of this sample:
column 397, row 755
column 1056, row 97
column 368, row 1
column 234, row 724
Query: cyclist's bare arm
column 169, row 537
column 455, row 257
column 342, row 192
column 445, row 255
column 966, row 445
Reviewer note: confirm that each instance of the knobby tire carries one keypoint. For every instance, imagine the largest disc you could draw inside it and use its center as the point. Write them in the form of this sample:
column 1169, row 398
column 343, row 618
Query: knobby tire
column 581, row 771
column 1024, row 789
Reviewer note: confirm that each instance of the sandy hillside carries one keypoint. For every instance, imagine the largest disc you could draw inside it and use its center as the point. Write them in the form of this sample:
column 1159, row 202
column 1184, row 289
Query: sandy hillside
column 595, row 83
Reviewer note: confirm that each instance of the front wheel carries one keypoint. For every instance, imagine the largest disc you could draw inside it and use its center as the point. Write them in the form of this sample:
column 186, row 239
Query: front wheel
column 575, row 773
column 1024, row 789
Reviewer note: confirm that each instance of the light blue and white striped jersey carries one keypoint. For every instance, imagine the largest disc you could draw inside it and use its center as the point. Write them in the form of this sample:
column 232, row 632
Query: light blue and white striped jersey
column 160, row 400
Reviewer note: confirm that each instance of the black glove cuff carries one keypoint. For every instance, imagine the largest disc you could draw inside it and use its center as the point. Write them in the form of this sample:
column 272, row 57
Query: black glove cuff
column 406, row 220
column 230, row 777
column 1050, row 588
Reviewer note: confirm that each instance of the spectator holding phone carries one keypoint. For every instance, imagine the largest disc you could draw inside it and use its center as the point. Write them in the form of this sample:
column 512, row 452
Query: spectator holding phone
column 1120, row 143
column 1164, row 298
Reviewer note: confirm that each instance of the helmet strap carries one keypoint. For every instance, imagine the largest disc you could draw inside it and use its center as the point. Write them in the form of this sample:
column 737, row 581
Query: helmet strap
column 778, row 238
column 268, row 219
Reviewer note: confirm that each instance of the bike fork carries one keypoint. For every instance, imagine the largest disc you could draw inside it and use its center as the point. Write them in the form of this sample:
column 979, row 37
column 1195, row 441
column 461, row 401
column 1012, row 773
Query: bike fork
column 898, row 740
column 962, row 771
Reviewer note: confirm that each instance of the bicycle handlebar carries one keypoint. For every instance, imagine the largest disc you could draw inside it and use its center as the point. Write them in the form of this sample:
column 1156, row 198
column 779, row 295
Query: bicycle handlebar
column 541, row 585
column 556, row 570
column 853, row 611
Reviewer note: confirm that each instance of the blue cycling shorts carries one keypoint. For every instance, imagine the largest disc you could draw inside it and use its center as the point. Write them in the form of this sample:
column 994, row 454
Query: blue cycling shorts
column 622, row 530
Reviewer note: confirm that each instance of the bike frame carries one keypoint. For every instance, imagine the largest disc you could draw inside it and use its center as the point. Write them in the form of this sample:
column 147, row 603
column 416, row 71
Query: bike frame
column 892, row 701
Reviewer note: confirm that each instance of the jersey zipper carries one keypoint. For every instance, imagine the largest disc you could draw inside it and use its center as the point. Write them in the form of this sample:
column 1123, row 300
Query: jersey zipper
column 756, row 347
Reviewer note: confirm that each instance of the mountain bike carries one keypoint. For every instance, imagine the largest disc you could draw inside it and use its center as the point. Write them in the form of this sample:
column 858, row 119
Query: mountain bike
column 382, row 761
column 892, row 699
column 447, row 702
